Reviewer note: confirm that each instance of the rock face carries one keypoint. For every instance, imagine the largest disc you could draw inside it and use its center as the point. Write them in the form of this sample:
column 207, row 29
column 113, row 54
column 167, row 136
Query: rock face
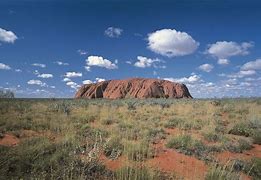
column 133, row 88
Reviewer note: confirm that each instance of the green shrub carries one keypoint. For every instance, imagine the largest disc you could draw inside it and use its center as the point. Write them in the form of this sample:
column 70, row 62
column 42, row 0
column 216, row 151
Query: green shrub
column 138, row 151
column 212, row 136
column 241, row 129
column 253, row 168
column 257, row 137
column 221, row 173
column 155, row 134
column 186, row 145
column 173, row 123
column 113, row 148
column 138, row 173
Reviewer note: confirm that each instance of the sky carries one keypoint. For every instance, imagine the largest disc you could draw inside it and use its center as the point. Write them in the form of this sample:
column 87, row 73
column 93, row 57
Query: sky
column 49, row 48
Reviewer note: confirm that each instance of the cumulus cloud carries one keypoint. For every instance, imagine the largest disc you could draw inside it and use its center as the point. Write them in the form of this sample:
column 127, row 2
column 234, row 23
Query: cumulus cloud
column 100, row 62
column 36, row 82
column 4, row 66
column 39, row 65
column 227, row 49
column 206, row 67
column 87, row 82
column 169, row 42
column 194, row 78
column 60, row 63
column 87, row 68
column 45, row 76
column 73, row 74
column 99, row 79
column 113, row 32
column 73, row 85
column 252, row 65
column 241, row 74
column 223, row 61
column 7, row 36
column 66, row 79
column 144, row 62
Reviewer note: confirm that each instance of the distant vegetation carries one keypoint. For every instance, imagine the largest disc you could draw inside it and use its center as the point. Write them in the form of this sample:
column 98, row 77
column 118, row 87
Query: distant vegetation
column 6, row 94
column 130, row 139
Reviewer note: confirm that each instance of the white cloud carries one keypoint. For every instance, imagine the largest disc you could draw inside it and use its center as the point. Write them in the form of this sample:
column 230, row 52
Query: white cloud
column 169, row 42
column 247, row 72
column 18, row 70
column 128, row 62
column 226, row 49
column 82, row 52
column 194, row 78
column 73, row 74
column 100, row 62
column 99, row 79
column 73, row 85
column 241, row 74
column 53, row 87
column 66, row 79
column 87, row 82
column 39, row 65
column 223, row 61
column 7, row 36
column 206, row 67
column 45, row 76
column 36, row 82
column 60, row 63
column 252, row 65
column 4, row 66
column 144, row 62
column 113, row 32
column 87, row 68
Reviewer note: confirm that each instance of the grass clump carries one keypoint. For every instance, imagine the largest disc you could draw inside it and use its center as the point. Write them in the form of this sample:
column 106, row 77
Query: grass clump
column 138, row 173
column 241, row 129
column 253, row 168
column 218, row 172
column 173, row 123
column 189, row 146
column 38, row 158
column 257, row 137
column 113, row 148
column 138, row 151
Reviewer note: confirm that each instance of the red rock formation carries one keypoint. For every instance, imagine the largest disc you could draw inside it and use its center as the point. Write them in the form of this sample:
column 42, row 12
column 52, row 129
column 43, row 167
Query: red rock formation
column 133, row 88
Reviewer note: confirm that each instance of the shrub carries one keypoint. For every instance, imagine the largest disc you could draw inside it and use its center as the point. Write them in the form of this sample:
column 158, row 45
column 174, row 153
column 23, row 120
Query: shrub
column 241, row 129
column 212, row 136
column 185, row 144
column 221, row 173
column 138, row 152
column 253, row 168
column 137, row 173
column 173, row 123
column 257, row 137
column 113, row 148
column 156, row 134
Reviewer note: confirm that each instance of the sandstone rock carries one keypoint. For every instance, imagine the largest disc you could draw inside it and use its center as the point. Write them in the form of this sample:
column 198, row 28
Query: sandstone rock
column 133, row 88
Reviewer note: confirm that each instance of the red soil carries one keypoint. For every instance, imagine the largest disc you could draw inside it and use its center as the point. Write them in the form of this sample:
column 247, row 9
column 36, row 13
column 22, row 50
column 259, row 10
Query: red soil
column 113, row 164
column 246, row 155
column 9, row 140
column 168, row 160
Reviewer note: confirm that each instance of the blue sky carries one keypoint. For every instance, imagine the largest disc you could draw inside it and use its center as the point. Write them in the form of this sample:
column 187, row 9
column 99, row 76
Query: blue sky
column 50, row 48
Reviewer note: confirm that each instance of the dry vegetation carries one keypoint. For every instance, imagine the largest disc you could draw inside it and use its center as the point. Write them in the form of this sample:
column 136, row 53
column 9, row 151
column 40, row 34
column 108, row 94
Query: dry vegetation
column 130, row 139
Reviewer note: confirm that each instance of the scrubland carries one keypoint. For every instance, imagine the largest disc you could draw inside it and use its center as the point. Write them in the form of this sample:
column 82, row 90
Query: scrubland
column 130, row 139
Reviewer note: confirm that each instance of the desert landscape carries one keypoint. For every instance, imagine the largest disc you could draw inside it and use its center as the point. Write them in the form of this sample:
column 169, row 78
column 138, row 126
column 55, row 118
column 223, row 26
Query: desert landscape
column 130, row 139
